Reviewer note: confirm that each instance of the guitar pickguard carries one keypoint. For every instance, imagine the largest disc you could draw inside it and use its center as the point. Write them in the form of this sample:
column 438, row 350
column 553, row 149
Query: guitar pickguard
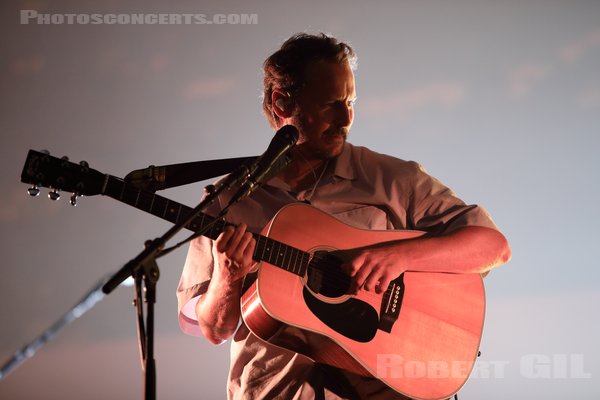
column 352, row 318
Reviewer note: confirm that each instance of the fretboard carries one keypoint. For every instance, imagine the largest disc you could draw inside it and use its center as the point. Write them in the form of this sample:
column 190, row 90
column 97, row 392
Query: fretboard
column 272, row 251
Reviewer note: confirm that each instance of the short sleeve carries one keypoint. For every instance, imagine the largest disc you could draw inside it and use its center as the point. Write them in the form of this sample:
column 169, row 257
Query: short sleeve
column 435, row 209
column 196, row 275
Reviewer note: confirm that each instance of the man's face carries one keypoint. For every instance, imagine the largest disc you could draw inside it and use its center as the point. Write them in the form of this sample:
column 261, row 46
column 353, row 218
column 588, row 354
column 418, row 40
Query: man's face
column 324, row 109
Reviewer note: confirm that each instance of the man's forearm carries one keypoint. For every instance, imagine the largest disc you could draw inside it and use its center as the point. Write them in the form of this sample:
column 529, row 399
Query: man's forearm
column 218, row 310
column 471, row 249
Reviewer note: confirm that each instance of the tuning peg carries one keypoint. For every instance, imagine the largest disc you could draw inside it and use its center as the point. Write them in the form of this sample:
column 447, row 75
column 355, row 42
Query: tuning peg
column 45, row 156
column 65, row 161
column 210, row 189
column 73, row 199
column 53, row 195
column 85, row 167
column 33, row 191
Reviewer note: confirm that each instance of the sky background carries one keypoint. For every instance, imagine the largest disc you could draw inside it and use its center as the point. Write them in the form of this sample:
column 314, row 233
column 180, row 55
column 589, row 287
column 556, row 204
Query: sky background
column 499, row 100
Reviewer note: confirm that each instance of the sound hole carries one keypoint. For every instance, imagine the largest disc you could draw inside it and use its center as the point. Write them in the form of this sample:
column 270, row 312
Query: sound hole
column 325, row 277
column 352, row 317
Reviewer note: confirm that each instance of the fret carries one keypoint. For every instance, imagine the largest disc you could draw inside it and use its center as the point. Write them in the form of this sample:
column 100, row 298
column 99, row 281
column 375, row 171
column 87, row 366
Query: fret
column 296, row 253
column 280, row 254
column 272, row 255
column 266, row 252
column 276, row 246
column 165, row 211
column 264, row 248
column 215, row 230
column 178, row 213
column 144, row 201
column 290, row 266
column 152, row 203
column 274, row 251
column 260, row 245
column 286, row 258
column 283, row 253
column 129, row 195
column 122, row 191
column 105, row 183
column 193, row 225
column 305, row 260
column 299, row 259
column 202, row 223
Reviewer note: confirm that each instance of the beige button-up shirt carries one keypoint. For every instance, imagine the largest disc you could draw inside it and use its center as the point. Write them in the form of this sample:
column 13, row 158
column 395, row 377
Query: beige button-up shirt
column 362, row 188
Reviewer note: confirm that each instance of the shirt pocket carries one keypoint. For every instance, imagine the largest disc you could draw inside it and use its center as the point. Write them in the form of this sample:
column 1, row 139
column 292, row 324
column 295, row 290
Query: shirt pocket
column 364, row 217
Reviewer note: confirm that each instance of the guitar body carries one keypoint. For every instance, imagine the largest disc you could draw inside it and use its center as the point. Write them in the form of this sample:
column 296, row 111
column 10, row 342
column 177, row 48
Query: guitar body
column 430, row 349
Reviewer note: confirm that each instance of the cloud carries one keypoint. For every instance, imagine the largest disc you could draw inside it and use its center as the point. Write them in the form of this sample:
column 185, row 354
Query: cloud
column 411, row 101
column 578, row 48
column 204, row 88
column 522, row 79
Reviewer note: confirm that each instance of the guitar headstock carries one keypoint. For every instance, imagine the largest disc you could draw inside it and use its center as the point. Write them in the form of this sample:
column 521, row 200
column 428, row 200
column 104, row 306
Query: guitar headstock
column 59, row 174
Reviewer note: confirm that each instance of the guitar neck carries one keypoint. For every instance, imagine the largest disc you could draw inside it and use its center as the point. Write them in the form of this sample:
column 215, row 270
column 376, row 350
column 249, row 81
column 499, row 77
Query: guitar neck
column 272, row 251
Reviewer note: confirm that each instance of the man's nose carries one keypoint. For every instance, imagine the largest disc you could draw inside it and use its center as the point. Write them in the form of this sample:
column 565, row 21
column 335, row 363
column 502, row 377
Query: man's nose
column 344, row 115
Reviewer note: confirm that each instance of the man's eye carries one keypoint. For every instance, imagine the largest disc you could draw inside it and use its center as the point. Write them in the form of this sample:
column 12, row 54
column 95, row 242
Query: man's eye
column 337, row 103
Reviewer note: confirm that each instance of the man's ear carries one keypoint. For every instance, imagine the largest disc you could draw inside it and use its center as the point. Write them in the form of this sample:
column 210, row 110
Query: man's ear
column 282, row 104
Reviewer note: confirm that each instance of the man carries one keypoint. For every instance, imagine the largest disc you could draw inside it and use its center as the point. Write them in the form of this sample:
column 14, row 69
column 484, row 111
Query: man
column 309, row 83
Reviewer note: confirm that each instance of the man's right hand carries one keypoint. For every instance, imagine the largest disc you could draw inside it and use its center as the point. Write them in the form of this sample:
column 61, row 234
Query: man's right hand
column 218, row 310
column 235, row 247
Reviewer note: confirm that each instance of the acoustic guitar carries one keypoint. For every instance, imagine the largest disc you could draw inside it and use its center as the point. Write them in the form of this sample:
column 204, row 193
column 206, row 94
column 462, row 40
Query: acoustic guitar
column 420, row 336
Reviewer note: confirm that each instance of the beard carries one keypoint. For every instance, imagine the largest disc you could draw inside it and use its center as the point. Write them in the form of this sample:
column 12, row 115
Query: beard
column 316, row 144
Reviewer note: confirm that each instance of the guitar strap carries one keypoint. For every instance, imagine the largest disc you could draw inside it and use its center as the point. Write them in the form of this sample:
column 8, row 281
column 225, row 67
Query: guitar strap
column 325, row 377
column 168, row 176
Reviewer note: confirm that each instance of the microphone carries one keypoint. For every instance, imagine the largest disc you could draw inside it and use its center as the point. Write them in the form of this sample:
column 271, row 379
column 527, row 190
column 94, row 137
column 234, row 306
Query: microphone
column 270, row 163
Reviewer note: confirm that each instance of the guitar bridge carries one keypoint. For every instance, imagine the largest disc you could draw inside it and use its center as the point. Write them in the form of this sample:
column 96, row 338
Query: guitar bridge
column 391, row 304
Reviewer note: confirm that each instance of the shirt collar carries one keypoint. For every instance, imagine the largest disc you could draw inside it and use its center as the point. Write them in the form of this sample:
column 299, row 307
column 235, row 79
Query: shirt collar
column 343, row 169
column 343, row 166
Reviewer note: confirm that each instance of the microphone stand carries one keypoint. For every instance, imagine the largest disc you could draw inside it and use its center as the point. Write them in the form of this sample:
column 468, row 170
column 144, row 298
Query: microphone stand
column 145, row 270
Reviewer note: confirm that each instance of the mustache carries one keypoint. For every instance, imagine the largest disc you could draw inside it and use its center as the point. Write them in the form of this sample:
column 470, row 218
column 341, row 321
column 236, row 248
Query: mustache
column 337, row 131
